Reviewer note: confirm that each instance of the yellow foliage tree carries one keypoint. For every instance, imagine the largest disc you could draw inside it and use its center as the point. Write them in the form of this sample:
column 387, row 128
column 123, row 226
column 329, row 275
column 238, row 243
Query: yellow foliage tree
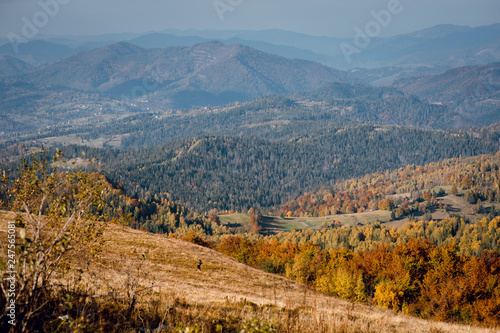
column 387, row 295
column 57, row 217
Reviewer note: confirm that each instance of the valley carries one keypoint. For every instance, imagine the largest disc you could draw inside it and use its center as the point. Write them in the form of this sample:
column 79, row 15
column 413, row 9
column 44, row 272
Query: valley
column 251, row 181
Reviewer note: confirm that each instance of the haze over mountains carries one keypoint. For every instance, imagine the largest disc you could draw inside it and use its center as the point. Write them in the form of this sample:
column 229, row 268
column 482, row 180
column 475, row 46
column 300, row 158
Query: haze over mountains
column 443, row 45
column 361, row 167
column 429, row 51
column 455, row 85
column 472, row 91
column 207, row 72
column 438, row 46
column 182, row 69
column 10, row 65
column 38, row 52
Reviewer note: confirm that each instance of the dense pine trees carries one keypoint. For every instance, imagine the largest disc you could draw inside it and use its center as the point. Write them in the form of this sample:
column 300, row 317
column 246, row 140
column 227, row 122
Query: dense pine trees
column 238, row 173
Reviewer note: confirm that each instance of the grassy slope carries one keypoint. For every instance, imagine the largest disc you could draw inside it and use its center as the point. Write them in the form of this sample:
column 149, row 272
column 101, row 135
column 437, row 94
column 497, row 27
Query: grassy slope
column 170, row 266
column 274, row 224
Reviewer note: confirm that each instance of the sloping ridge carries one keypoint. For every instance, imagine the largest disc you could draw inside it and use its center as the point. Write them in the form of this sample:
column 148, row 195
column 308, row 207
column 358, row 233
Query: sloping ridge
column 173, row 264
column 455, row 85
column 10, row 65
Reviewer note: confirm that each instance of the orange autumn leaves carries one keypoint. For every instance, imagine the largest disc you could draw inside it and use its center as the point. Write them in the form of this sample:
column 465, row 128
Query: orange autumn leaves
column 416, row 277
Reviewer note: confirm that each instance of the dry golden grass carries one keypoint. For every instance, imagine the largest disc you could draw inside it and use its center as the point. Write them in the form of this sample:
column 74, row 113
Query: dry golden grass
column 168, row 267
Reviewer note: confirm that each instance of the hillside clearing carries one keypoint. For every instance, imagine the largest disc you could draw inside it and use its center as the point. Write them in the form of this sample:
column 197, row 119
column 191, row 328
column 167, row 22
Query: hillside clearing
column 276, row 224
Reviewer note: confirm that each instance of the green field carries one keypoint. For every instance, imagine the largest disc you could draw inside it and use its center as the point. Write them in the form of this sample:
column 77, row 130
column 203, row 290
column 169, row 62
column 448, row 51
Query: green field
column 274, row 224
column 75, row 139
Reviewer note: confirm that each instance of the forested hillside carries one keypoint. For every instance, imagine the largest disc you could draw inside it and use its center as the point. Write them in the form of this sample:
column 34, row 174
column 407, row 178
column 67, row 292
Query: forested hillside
column 334, row 105
column 239, row 173
column 408, row 190
column 413, row 276
column 382, row 105
column 444, row 270
column 456, row 85
column 472, row 92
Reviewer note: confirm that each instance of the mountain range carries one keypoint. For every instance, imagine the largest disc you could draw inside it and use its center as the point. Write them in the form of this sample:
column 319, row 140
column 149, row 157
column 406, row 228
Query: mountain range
column 206, row 73
column 151, row 71
column 441, row 46
column 473, row 92
column 10, row 65
column 455, row 85
column 38, row 52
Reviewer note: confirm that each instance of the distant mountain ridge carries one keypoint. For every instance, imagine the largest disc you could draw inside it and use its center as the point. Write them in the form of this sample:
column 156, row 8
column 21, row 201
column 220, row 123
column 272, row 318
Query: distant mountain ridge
column 455, row 85
column 447, row 45
column 10, row 65
column 206, row 73
column 443, row 45
column 382, row 105
column 472, row 91
column 38, row 52
column 211, row 73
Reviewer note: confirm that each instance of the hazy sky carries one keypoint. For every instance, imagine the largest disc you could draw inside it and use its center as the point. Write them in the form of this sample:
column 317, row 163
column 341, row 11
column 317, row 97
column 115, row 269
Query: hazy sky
column 317, row 17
